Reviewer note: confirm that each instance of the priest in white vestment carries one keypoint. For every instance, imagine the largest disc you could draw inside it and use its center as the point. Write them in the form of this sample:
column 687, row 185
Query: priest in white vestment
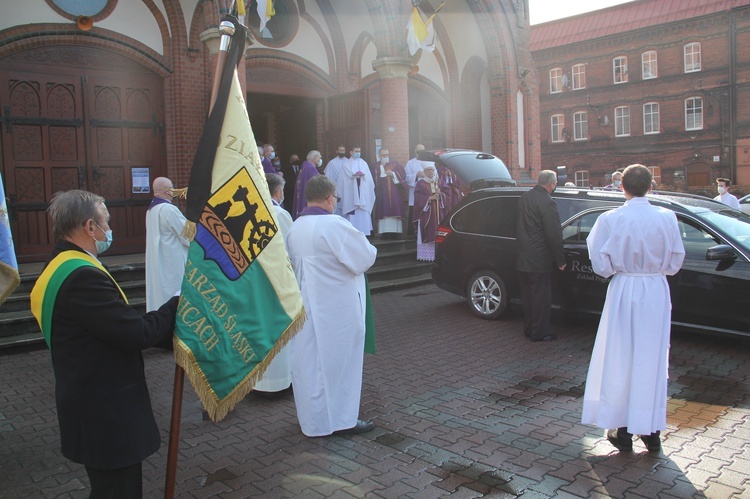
column 334, row 167
column 638, row 245
column 356, row 187
column 329, row 257
column 166, row 248
column 278, row 374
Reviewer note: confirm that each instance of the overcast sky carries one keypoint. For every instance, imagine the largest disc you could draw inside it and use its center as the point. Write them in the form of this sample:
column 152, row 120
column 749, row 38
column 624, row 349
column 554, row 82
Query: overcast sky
column 541, row 11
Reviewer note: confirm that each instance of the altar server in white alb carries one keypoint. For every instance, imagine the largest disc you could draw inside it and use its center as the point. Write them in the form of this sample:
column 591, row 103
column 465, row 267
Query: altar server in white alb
column 278, row 375
column 166, row 248
column 638, row 245
column 356, row 187
column 329, row 257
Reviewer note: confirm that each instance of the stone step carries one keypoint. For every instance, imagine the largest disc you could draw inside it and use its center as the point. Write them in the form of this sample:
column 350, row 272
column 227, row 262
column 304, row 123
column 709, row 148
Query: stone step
column 394, row 257
column 22, row 301
column 20, row 328
column 396, row 267
column 399, row 270
column 402, row 283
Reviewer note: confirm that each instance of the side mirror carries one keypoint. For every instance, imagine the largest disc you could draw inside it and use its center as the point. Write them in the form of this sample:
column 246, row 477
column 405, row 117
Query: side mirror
column 721, row 252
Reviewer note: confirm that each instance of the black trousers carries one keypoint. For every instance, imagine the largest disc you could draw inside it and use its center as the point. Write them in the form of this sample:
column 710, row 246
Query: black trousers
column 120, row 483
column 536, row 295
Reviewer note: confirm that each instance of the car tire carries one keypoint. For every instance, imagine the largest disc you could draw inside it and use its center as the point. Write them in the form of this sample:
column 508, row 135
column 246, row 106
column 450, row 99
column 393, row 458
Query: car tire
column 486, row 295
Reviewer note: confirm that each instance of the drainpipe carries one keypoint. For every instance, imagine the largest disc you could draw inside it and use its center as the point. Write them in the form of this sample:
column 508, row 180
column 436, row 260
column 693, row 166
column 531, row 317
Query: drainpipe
column 732, row 96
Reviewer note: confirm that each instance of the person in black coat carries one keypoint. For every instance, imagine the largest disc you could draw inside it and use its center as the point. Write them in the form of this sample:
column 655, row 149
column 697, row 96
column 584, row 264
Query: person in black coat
column 540, row 251
column 289, row 172
column 95, row 337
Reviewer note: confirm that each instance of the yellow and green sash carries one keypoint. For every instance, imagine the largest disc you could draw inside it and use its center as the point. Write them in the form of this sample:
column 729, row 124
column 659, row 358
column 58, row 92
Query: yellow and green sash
column 48, row 284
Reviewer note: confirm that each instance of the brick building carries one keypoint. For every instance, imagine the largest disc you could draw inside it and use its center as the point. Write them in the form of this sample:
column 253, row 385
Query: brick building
column 664, row 83
column 121, row 97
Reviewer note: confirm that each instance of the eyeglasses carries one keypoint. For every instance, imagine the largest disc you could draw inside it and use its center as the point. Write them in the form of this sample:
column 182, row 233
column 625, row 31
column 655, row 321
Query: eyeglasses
column 338, row 199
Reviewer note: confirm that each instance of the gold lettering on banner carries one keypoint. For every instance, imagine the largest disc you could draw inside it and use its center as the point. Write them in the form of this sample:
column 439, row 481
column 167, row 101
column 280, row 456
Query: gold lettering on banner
column 230, row 145
column 192, row 317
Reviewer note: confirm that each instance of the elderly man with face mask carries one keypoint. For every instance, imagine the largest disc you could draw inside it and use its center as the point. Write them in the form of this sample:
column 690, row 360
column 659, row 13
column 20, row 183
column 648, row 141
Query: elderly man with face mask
column 95, row 339
column 389, row 183
column 309, row 170
column 429, row 209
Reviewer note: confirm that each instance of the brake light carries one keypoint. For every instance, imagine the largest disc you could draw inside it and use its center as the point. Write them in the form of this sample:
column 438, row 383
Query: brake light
column 442, row 234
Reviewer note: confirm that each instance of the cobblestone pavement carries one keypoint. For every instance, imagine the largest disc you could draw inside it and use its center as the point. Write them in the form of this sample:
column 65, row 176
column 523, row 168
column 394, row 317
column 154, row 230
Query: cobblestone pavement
column 463, row 407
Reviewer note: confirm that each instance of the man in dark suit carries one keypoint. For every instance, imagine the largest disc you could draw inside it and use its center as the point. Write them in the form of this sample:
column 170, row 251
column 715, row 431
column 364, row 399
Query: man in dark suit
column 540, row 250
column 289, row 172
column 96, row 338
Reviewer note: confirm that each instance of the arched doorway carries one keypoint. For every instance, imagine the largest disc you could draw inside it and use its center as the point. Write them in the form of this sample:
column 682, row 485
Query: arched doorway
column 287, row 122
column 79, row 118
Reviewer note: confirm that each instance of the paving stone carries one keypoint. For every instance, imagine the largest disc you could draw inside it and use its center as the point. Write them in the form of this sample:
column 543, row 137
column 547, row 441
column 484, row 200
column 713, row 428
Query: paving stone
column 463, row 408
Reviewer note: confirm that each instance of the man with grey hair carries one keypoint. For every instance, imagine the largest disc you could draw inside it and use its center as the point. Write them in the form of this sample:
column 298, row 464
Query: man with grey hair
column 329, row 257
column 616, row 181
column 309, row 170
column 268, row 155
column 95, row 340
column 540, row 251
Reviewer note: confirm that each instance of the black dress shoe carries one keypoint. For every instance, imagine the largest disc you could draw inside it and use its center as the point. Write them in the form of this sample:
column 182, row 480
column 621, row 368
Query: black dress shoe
column 360, row 427
column 652, row 442
column 549, row 337
column 622, row 440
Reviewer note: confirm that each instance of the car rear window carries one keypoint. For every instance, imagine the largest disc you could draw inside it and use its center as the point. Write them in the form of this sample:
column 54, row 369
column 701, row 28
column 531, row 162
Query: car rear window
column 570, row 207
column 495, row 216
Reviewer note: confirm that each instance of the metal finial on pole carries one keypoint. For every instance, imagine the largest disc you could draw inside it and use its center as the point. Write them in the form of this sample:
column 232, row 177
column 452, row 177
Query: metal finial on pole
column 227, row 29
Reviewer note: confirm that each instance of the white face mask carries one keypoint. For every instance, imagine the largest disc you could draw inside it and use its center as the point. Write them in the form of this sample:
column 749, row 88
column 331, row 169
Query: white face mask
column 721, row 189
column 384, row 160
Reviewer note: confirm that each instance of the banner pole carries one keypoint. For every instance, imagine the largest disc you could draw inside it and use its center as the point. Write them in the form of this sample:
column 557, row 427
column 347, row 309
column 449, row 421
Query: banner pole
column 226, row 29
column 174, row 432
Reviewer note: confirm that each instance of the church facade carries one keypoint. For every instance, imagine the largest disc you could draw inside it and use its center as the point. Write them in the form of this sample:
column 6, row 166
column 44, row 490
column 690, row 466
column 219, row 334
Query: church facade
column 106, row 95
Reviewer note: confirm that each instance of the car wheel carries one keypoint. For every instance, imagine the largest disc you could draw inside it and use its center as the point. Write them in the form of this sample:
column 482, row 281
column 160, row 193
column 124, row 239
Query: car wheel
column 486, row 295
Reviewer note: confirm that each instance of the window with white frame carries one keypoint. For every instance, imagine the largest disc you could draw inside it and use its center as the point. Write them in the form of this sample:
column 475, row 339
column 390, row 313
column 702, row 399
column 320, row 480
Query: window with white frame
column 649, row 67
column 622, row 121
column 580, row 126
column 620, row 69
column 579, row 76
column 651, row 118
column 694, row 113
column 557, row 124
column 656, row 173
column 582, row 178
column 555, row 80
column 692, row 57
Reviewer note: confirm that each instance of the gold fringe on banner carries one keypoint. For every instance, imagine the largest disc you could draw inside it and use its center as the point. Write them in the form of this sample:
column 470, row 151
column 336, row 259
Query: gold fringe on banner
column 188, row 231
column 218, row 409
column 180, row 193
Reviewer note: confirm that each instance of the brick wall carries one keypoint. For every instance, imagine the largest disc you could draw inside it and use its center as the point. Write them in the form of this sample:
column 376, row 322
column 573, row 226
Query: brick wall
column 673, row 149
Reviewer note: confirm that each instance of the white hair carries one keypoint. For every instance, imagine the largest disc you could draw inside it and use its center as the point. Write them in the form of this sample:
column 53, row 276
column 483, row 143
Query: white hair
column 312, row 154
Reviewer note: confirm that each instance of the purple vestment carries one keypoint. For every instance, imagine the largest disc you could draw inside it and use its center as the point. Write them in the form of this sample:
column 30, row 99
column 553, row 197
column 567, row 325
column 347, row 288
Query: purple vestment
column 428, row 212
column 307, row 172
column 452, row 189
column 267, row 166
column 388, row 198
